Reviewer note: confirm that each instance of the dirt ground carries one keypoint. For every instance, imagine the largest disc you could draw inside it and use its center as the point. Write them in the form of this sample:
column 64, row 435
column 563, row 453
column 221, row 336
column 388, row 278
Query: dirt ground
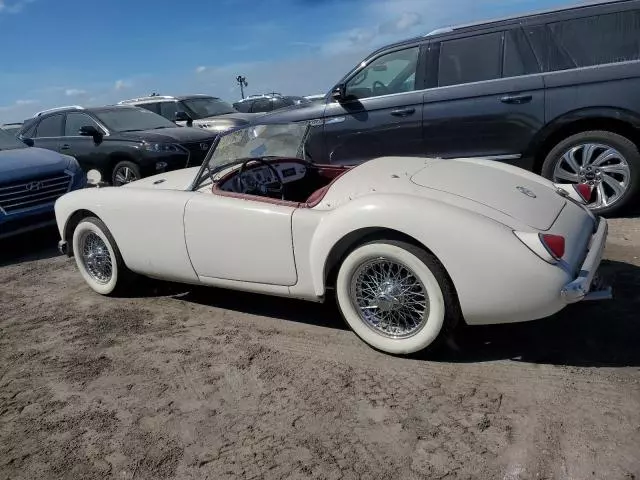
column 194, row 383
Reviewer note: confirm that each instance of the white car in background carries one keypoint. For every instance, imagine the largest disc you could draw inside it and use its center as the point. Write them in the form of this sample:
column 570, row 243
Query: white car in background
column 412, row 246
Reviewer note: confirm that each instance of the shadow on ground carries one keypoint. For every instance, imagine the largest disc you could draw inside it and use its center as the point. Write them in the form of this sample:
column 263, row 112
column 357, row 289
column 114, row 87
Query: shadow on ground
column 589, row 334
column 36, row 245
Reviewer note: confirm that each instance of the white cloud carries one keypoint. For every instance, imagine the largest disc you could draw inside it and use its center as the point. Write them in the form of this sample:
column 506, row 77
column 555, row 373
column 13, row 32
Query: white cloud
column 122, row 84
column 201, row 69
column 13, row 7
column 74, row 92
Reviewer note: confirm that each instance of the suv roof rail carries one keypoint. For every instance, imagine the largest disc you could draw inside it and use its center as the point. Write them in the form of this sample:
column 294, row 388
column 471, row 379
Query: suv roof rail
column 58, row 109
column 148, row 97
column 582, row 4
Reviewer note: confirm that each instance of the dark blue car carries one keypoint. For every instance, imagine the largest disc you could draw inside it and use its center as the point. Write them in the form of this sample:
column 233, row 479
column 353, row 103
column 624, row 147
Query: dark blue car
column 31, row 180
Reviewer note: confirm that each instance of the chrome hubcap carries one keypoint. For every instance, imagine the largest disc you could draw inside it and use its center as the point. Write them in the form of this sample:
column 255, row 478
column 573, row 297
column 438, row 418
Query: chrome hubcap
column 124, row 175
column 602, row 167
column 96, row 258
column 389, row 298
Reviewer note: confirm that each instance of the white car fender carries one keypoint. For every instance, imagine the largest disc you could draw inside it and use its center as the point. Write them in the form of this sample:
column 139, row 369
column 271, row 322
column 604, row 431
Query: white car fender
column 146, row 224
column 478, row 254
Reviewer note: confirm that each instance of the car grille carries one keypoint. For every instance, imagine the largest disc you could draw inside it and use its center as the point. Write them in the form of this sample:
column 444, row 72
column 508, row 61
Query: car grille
column 34, row 192
column 196, row 153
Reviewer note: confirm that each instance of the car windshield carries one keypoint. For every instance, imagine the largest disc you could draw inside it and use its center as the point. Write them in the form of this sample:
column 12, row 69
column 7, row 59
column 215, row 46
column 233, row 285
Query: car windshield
column 127, row 119
column 208, row 107
column 256, row 141
column 9, row 141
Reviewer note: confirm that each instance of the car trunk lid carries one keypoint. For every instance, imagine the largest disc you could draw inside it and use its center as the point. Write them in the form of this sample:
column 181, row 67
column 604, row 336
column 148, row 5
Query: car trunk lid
column 521, row 198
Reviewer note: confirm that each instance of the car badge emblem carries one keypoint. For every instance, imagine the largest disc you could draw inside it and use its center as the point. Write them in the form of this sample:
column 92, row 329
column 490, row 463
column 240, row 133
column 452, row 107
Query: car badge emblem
column 526, row 191
column 204, row 146
column 33, row 186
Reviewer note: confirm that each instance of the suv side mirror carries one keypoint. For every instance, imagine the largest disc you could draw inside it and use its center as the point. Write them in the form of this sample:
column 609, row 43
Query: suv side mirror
column 183, row 117
column 28, row 142
column 90, row 131
column 339, row 92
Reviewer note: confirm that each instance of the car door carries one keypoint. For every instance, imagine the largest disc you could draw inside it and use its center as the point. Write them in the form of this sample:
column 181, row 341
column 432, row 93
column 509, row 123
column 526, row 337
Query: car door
column 381, row 112
column 488, row 97
column 239, row 239
column 88, row 153
column 48, row 132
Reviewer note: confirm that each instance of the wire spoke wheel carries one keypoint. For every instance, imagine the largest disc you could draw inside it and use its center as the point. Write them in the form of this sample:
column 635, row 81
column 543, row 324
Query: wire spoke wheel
column 96, row 258
column 601, row 166
column 389, row 297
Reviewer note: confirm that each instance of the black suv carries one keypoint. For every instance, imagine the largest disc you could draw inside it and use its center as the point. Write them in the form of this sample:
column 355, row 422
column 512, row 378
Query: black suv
column 554, row 92
column 123, row 143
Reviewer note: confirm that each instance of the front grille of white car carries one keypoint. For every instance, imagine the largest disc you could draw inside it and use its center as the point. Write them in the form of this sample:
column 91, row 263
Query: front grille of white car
column 35, row 192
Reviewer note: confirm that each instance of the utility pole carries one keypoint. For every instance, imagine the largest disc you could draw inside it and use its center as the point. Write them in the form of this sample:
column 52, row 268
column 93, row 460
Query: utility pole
column 242, row 81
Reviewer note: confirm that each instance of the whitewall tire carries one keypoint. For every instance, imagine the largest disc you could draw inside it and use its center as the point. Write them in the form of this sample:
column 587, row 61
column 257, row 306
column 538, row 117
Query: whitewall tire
column 98, row 258
column 396, row 297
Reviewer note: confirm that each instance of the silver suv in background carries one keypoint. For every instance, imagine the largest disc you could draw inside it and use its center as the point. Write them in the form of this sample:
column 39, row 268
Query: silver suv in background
column 203, row 111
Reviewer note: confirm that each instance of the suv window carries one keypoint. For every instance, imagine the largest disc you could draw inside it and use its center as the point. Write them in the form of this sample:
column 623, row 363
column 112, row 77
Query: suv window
column 394, row 72
column 169, row 110
column 50, row 126
column 243, row 107
column 470, row 59
column 262, row 105
column 152, row 107
column 77, row 120
column 599, row 39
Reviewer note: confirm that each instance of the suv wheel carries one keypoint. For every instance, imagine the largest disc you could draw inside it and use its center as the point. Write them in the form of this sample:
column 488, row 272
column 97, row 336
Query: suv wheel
column 609, row 162
column 125, row 172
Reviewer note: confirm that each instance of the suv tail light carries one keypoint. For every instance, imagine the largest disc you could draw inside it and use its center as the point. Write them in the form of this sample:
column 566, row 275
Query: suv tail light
column 549, row 247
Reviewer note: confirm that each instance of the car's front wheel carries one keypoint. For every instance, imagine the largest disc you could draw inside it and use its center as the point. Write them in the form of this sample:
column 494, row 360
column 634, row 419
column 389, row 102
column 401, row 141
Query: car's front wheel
column 125, row 172
column 396, row 297
column 98, row 258
column 608, row 162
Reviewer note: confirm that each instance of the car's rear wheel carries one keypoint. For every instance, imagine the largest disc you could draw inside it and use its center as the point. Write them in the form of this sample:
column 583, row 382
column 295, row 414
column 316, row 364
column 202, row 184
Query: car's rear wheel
column 608, row 162
column 98, row 258
column 125, row 172
column 396, row 297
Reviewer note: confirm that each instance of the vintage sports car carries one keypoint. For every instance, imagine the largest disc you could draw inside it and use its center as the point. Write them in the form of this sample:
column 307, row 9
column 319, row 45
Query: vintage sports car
column 412, row 246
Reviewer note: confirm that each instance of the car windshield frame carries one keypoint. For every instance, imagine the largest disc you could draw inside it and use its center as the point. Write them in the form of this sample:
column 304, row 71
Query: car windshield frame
column 197, row 114
column 10, row 142
column 156, row 121
column 257, row 141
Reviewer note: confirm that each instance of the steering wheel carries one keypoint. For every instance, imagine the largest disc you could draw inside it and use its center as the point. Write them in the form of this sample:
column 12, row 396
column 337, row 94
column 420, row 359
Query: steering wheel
column 263, row 188
column 378, row 86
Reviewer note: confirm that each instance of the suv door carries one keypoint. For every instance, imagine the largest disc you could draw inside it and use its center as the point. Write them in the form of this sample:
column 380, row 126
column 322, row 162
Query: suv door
column 48, row 133
column 488, row 97
column 381, row 112
column 83, row 148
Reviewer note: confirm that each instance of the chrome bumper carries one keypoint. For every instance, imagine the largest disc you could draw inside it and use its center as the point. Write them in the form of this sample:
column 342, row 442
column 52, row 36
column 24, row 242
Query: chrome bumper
column 587, row 285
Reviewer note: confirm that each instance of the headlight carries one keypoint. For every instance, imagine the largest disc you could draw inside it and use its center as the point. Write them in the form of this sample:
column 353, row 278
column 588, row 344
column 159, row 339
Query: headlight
column 162, row 147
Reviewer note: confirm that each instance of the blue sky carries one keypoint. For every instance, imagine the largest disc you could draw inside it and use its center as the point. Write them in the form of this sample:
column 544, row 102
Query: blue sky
column 60, row 52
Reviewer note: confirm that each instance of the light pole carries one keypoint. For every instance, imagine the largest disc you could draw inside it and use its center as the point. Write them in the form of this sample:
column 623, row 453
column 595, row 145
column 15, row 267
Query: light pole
column 242, row 81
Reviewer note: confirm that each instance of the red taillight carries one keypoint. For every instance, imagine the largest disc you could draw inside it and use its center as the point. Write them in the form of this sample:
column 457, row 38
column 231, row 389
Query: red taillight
column 584, row 190
column 554, row 244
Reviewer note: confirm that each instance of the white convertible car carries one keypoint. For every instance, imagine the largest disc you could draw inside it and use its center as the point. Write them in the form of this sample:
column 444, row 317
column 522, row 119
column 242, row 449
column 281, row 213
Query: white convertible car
column 411, row 246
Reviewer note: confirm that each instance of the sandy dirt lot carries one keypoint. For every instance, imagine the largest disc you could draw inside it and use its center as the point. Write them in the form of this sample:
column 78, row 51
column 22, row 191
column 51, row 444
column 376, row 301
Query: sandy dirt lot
column 193, row 383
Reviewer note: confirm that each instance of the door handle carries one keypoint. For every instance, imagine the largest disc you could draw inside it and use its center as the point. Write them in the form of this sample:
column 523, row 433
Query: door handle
column 66, row 146
column 403, row 112
column 516, row 99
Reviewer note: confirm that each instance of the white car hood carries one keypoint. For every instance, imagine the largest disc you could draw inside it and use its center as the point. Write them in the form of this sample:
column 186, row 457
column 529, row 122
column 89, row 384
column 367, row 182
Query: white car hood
column 175, row 180
column 517, row 196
